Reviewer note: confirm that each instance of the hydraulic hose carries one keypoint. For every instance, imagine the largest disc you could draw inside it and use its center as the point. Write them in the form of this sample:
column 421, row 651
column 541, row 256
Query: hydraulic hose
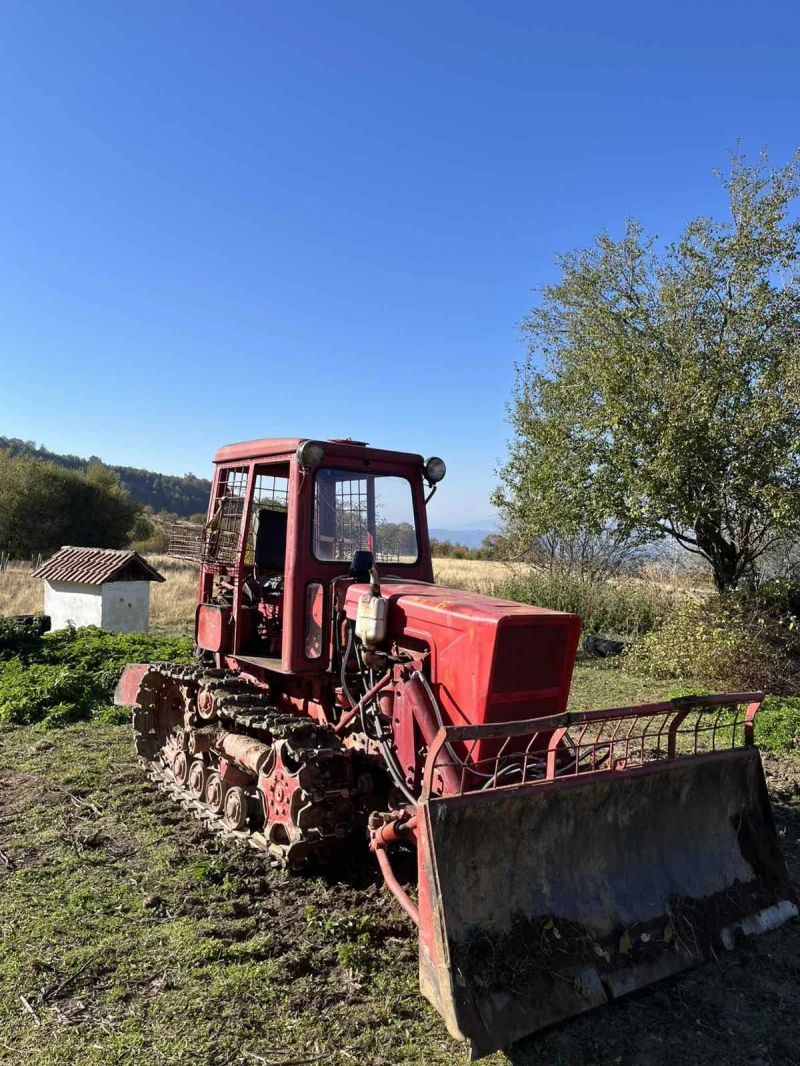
column 363, row 707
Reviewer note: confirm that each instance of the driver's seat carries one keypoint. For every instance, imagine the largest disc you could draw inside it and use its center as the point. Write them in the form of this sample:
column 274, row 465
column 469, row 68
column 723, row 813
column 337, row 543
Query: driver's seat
column 270, row 542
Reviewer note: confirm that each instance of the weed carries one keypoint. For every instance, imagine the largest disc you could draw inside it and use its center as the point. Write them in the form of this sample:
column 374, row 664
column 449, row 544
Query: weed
column 64, row 677
column 777, row 725
column 352, row 936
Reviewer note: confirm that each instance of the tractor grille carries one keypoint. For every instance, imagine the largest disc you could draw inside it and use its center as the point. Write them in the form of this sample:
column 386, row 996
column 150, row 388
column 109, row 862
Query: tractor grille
column 529, row 657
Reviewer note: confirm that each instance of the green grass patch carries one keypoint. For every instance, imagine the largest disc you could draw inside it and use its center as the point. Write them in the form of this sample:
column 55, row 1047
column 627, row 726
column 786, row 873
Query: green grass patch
column 777, row 725
column 67, row 676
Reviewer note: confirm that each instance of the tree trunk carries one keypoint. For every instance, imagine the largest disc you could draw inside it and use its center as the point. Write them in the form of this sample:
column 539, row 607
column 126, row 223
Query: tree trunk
column 728, row 560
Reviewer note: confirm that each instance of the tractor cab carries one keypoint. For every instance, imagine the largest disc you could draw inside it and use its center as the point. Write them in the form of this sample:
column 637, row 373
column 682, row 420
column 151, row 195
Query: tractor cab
column 290, row 524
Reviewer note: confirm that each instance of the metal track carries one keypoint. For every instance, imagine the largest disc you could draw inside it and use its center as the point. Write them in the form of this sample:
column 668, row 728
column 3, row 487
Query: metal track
column 240, row 707
column 165, row 781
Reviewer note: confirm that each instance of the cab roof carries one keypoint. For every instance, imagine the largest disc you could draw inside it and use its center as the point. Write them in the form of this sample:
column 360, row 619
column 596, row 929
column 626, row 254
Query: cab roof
column 271, row 447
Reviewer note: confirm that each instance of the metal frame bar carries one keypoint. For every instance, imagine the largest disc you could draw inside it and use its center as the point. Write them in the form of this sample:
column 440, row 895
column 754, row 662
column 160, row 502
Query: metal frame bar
column 614, row 746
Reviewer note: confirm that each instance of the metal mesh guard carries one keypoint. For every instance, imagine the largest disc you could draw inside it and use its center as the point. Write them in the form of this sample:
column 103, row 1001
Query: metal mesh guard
column 466, row 758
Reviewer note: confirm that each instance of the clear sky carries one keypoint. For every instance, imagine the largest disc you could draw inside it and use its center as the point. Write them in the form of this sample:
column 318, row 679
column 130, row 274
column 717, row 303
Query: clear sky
column 226, row 220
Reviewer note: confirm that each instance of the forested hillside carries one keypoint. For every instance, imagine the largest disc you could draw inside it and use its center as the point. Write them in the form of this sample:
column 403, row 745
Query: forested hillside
column 183, row 496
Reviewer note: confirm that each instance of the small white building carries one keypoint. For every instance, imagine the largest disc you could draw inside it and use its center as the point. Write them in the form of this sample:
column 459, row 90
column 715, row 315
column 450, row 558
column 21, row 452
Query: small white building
column 98, row 587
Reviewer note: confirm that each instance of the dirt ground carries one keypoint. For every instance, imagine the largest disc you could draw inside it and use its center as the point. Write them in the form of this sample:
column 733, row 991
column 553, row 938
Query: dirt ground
column 130, row 935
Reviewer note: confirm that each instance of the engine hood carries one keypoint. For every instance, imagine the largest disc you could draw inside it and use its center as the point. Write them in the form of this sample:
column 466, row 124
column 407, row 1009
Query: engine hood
column 491, row 660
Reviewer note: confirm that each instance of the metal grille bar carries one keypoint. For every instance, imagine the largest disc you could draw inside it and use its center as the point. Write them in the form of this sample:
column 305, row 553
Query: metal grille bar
column 217, row 542
column 578, row 743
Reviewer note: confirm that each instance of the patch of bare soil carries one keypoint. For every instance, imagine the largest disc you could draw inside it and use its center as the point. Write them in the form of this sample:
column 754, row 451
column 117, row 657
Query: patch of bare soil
column 740, row 1008
column 333, row 931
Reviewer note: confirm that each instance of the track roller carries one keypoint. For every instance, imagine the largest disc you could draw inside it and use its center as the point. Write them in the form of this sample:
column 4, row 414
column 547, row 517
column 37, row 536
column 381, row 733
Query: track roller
column 215, row 793
column 236, row 808
column 196, row 780
column 180, row 768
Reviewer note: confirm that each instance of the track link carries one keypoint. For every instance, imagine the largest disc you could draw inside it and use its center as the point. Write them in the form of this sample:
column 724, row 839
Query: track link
column 297, row 805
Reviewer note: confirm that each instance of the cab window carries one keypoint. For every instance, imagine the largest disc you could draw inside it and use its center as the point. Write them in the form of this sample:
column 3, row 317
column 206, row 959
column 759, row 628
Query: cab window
column 355, row 511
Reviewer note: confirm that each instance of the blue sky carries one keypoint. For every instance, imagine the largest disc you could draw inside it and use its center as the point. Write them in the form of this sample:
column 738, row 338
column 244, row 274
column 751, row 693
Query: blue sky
column 231, row 220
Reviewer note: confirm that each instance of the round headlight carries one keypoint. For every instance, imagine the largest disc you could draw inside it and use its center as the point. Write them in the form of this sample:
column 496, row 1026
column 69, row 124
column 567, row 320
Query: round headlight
column 310, row 454
column 434, row 470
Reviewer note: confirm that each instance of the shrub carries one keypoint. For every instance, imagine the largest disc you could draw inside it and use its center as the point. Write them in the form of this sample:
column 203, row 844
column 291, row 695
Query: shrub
column 604, row 607
column 778, row 724
column 17, row 638
column 733, row 641
column 72, row 673
column 780, row 595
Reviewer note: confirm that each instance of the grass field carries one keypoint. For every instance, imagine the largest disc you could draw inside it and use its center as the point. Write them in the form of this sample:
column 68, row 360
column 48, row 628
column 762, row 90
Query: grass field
column 130, row 935
column 172, row 602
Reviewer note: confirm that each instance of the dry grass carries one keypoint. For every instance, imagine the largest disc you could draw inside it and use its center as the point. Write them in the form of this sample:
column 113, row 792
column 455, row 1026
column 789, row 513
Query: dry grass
column 19, row 592
column 172, row 603
column 477, row 575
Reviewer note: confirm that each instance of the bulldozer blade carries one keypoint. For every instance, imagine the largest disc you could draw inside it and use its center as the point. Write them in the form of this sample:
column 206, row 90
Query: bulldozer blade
column 540, row 901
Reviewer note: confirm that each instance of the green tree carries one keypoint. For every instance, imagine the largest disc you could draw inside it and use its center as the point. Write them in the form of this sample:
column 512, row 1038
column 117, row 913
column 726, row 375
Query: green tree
column 669, row 402
column 44, row 506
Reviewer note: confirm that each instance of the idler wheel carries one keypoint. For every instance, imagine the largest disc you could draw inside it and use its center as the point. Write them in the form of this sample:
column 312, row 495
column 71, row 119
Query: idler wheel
column 235, row 808
column 197, row 779
column 215, row 793
column 180, row 768
column 206, row 707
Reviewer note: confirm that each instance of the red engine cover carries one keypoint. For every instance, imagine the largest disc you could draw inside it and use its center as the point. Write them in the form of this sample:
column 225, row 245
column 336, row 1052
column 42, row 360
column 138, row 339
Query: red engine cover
column 491, row 660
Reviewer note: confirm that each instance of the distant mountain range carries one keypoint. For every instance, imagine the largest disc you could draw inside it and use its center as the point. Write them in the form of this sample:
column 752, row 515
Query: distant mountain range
column 183, row 496
column 470, row 538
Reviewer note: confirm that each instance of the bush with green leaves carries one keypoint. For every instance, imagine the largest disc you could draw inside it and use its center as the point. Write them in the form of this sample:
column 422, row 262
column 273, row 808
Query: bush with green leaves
column 733, row 641
column 604, row 607
column 17, row 638
column 777, row 725
column 71, row 674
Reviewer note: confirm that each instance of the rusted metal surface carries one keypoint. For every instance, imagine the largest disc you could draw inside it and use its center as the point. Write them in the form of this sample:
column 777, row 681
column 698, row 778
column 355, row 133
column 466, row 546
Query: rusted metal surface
column 640, row 872
column 249, row 753
column 575, row 743
column 292, row 788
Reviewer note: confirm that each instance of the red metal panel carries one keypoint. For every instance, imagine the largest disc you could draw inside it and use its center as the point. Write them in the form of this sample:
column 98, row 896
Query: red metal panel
column 127, row 691
column 270, row 448
column 212, row 627
column 463, row 631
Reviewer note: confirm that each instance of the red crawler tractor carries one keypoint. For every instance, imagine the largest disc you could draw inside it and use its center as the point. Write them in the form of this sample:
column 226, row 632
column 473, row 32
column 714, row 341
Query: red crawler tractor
column 564, row 859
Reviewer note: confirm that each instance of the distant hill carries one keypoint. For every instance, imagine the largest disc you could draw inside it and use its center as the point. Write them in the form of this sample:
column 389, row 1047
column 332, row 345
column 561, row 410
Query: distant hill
column 184, row 496
column 470, row 538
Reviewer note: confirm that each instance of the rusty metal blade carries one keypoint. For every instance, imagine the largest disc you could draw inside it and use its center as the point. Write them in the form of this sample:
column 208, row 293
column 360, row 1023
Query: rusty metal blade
column 542, row 901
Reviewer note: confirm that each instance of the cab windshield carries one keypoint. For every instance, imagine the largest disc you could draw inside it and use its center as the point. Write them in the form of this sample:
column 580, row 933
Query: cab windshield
column 355, row 511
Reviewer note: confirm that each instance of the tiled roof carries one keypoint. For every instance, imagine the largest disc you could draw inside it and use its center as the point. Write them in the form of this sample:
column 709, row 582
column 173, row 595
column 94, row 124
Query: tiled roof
column 94, row 566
